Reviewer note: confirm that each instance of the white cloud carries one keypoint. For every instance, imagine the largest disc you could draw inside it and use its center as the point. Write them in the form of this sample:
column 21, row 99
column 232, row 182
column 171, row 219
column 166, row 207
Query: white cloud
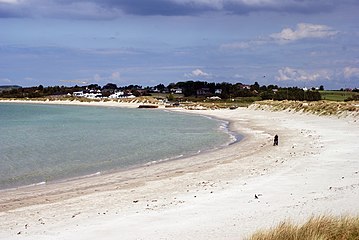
column 303, row 31
column 5, row 80
column 9, row 1
column 97, row 78
column 350, row 72
column 237, row 45
column 115, row 76
column 287, row 35
column 198, row 73
column 238, row 76
column 245, row 45
column 288, row 73
column 76, row 81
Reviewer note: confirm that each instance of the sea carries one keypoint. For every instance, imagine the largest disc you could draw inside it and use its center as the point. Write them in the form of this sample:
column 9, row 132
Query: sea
column 42, row 143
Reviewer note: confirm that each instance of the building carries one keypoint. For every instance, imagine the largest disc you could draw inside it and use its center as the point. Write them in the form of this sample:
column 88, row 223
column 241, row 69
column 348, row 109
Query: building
column 176, row 90
column 203, row 92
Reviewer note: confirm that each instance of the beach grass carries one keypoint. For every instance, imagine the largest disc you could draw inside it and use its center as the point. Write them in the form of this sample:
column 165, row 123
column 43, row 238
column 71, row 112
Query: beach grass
column 318, row 107
column 316, row 228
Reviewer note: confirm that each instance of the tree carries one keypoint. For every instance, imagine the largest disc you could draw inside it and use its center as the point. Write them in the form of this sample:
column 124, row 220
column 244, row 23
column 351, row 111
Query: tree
column 321, row 88
column 160, row 87
column 110, row 86
column 255, row 86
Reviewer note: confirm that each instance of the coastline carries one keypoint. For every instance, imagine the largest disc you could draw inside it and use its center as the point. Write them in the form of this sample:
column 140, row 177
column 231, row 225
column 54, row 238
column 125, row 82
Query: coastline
column 133, row 104
column 224, row 127
column 209, row 195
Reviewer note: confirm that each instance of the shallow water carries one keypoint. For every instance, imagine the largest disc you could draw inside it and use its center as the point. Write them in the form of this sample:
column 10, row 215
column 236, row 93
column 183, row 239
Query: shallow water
column 41, row 143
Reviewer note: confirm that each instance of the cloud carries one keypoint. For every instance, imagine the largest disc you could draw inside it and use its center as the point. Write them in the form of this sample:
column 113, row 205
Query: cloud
column 291, row 74
column 76, row 81
column 116, row 76
column 236, row 45
column 350, row 72
column 245, row 44
column 97, row 78
column 287, row 35
column 303, row 31
column 9, row 1
column 198, row 73
column 5, row 80
column 109, row 9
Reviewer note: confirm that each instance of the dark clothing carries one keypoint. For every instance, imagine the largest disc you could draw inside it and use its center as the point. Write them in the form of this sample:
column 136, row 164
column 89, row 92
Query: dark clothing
column 275, row 140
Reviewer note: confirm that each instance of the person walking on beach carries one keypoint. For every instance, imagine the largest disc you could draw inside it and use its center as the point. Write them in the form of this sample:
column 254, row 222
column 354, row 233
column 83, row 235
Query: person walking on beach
column 275, row 140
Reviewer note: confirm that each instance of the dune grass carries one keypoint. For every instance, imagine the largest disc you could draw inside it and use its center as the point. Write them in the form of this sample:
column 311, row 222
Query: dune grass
column 316, row 228
column 317, row 107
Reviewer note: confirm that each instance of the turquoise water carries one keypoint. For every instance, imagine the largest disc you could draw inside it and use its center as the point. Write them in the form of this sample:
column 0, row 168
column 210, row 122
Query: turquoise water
column 42, row 143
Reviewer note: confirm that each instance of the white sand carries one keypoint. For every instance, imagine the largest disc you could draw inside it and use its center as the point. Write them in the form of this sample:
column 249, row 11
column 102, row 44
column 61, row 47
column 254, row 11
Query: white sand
column 314, row 170
column 119, row 103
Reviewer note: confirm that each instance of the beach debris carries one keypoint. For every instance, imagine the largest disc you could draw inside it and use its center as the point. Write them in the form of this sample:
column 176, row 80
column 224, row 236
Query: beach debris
column 135, row 201
column 19, row 233
column 26, row 226
column 76, row 214
column 256, row 196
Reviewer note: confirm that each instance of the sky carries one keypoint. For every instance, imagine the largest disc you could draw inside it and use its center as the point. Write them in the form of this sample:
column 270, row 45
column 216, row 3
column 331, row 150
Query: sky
column 303, row 43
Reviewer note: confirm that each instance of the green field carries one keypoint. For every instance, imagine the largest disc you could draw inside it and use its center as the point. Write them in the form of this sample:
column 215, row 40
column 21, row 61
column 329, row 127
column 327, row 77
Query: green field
column 337, row 95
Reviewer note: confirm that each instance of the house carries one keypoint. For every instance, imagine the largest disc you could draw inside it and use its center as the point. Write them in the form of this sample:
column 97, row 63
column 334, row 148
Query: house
column 247, row 87
column 176, row 90
column 93, row 95
column 117, row 94
column 121, row 94
column 218, row 91
column 78, row 94
column 203, row 92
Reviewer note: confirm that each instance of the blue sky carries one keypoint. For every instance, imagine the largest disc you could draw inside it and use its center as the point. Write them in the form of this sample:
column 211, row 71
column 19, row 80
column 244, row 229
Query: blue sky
column 302, row 43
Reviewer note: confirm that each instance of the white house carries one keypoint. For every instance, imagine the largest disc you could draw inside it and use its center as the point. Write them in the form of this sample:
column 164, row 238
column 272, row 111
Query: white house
column 118, row 94
column 121, row 94
column 176, row 90
column 78, row 94
column 93, row 95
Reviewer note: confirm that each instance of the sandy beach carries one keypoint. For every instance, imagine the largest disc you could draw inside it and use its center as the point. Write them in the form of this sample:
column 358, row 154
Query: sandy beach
column 313, row 171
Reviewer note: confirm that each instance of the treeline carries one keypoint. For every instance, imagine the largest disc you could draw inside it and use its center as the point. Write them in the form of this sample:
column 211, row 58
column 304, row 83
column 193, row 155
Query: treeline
column 189, row 89
column 291, row 94
column 39, row 91
column 228, row 90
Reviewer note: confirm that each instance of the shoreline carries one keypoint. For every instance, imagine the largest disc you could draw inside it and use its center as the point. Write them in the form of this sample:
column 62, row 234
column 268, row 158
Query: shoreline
column 209, row 196
column 235, row 137
column 122, row 104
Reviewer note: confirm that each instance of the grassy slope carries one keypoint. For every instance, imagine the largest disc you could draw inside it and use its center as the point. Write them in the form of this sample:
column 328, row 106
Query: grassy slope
column 316, row 228
column 317, row 107
column 336, row 95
